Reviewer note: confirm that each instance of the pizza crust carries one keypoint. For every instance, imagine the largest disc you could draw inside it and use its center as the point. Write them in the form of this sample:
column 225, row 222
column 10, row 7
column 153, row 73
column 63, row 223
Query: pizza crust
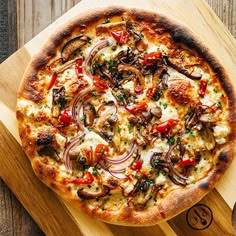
column 176, row 201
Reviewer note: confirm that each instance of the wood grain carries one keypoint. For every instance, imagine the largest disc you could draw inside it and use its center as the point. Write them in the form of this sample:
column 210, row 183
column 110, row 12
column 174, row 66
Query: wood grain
column 35, row 15
column 38, row 195
column 8, row 39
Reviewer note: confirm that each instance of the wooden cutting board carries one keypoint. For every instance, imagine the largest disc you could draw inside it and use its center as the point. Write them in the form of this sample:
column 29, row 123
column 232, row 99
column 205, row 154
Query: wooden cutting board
column 212, row 216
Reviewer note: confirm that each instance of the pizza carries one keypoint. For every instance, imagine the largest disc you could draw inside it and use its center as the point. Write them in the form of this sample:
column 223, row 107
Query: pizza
column 126, row 114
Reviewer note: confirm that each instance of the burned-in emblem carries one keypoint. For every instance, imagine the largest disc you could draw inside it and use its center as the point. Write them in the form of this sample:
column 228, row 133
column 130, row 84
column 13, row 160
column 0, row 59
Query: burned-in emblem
column 199, row 217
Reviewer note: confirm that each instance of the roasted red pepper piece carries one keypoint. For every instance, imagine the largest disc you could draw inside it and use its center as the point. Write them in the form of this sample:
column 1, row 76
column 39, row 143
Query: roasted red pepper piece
column 79, row 68
column 130, row 177
column 65, row 117
column 87, row 179
column 121, row 36
column 189, row 162
column 151, row 91
column 137, row 108
column 165, row 126
column 136, row 165
column 202, row 88
column 53, row 80
column 138, row 89
column 151, row 58
column 99, row 83
column 101, row 150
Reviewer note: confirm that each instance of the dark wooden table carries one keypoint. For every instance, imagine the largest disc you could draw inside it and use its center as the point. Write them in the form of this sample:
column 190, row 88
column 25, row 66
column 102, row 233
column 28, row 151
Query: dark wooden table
column 16, row 28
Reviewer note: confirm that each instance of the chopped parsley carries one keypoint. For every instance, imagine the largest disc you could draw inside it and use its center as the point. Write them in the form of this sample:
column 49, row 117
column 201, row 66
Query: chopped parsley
column 215, row 90
column 137, row 176
column 119, row 130
column 95, row 95
column 106, row 21
column 219, row 104
column 171, row 140
column 165, row 105
column 120, row 96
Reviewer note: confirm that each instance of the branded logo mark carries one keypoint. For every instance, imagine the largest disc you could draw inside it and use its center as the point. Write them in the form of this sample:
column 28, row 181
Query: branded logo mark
column 199, row 217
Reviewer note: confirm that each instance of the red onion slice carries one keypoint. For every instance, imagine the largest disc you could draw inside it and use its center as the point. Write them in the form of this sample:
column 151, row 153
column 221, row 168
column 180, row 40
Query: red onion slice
column 77, row 104
column 122, row 158
column 73, row 143
column 99, row 46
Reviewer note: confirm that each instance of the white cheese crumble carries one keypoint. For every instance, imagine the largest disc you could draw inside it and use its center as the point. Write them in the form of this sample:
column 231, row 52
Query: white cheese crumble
column 220, row 133
column 160, row 179
column 129, row 87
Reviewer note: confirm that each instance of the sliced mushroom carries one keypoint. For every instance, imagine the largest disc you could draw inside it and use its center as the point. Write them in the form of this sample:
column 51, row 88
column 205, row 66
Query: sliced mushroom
column 89, row 114
column 126, row 56
column 192, row 72
column 156, row 111
column 133, row 119
column 72, row 45
column 59, row 100
column 133, row 70
column 49, row 151
column 141, row 45
column 84, row 195
column 208, row 117
column 143, row 197
column 44, row 138
column 208, row 138
column 106, row 28
column 155, row 159
column 139, row 139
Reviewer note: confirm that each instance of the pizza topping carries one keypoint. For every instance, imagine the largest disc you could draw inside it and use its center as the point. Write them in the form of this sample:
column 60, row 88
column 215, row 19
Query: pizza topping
column 99, row 83
column 121, row 36
column 94, row 51
column 110, row 26
column 185, row 61
column 208, row 138
column 65, row 117
column 164, row 127
column 50, row 152
column 89, row 113
column 86, row 179
column 53, row 80
column 45, row 138
column 156, row 111
column 152, row 58
column 104, row 190
column 79, row 68
column 137, row 108
column 101, row 151
column 66, row 157
column 134, row 70
column 72, row 45
column 137, row 165
column 59, row 101
column 188, row 162
column 202, row 88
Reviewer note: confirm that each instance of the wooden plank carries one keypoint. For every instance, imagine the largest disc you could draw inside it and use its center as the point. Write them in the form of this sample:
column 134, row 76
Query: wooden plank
column 117, row 229
column 35, row 15
column 39, row 199
column 8, row 39
column 217, row 223
column 226, row 11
